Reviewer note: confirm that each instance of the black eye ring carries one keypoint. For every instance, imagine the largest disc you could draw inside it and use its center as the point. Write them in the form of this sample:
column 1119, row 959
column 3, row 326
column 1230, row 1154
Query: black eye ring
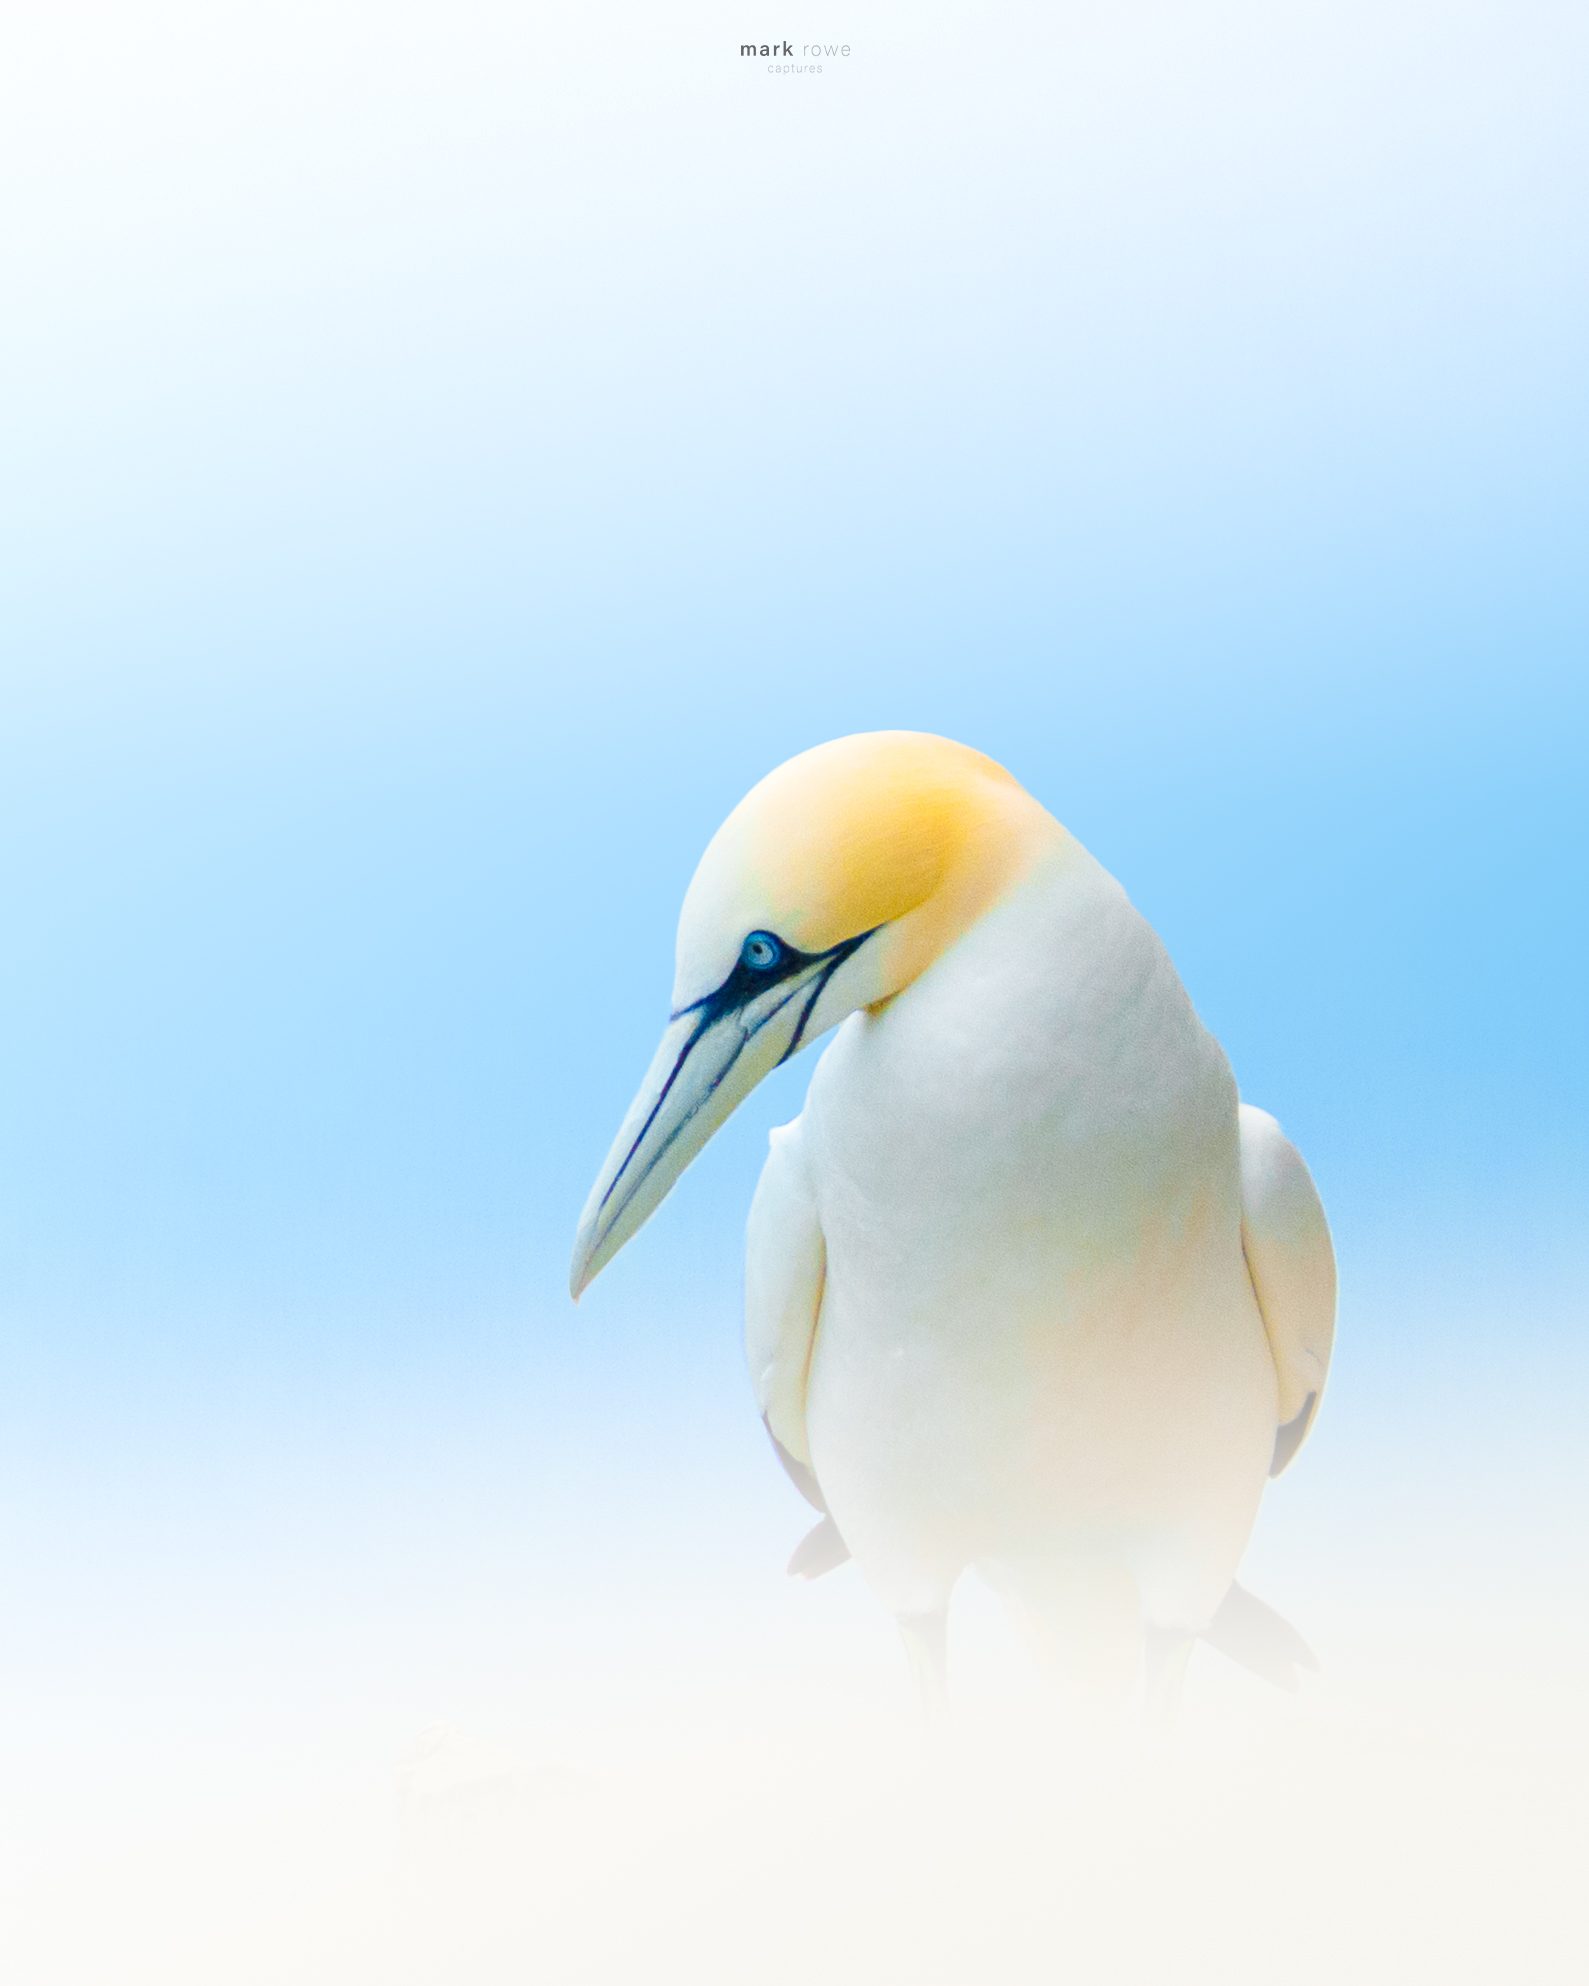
column 761, row 951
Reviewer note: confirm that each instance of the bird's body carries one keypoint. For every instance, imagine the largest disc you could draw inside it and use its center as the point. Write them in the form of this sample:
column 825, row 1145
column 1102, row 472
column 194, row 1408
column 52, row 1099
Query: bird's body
column 1002, row 1308
column 1037, row 1346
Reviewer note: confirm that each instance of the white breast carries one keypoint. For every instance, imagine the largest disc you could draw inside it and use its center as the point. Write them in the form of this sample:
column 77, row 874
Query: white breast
column 1038, row 1336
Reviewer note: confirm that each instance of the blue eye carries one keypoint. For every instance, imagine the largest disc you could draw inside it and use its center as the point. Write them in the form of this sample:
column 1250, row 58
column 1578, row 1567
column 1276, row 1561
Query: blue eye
column 761, row 951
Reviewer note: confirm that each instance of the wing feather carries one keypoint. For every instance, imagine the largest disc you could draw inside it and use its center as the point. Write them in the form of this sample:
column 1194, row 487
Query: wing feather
column 785, row 1269
column 1292, row 1265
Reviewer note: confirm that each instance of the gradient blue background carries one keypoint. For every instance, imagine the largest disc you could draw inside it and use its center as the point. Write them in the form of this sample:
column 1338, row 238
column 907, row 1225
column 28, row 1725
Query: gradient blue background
column 450, row 458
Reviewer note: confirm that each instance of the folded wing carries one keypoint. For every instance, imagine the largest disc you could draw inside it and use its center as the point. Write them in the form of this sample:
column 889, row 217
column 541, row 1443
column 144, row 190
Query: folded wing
column 1292, row 1265
column 785, row 1268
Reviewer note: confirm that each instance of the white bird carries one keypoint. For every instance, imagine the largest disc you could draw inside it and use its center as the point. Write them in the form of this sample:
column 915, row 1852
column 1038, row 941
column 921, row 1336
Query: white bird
column 1028, row 1289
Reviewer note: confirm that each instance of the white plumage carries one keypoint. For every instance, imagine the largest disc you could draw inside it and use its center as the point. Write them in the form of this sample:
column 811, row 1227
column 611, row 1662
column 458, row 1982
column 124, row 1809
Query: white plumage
column 1027, row 1290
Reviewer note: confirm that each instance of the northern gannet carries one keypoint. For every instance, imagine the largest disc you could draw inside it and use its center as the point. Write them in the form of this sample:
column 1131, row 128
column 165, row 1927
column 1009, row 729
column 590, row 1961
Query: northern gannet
column 1028, row 1289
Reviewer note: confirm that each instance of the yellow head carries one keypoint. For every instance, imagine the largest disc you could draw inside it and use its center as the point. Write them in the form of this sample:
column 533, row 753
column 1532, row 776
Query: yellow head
column 830, row 887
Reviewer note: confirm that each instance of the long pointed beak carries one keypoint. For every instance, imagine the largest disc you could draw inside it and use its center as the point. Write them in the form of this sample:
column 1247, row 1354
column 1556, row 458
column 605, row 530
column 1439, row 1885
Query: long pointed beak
column 707, row 1064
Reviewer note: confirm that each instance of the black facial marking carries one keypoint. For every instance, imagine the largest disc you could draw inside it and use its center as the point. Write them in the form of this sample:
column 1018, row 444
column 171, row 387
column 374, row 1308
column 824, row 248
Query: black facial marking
column 835, row 959
column 748, row 981
column 696, row 1032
